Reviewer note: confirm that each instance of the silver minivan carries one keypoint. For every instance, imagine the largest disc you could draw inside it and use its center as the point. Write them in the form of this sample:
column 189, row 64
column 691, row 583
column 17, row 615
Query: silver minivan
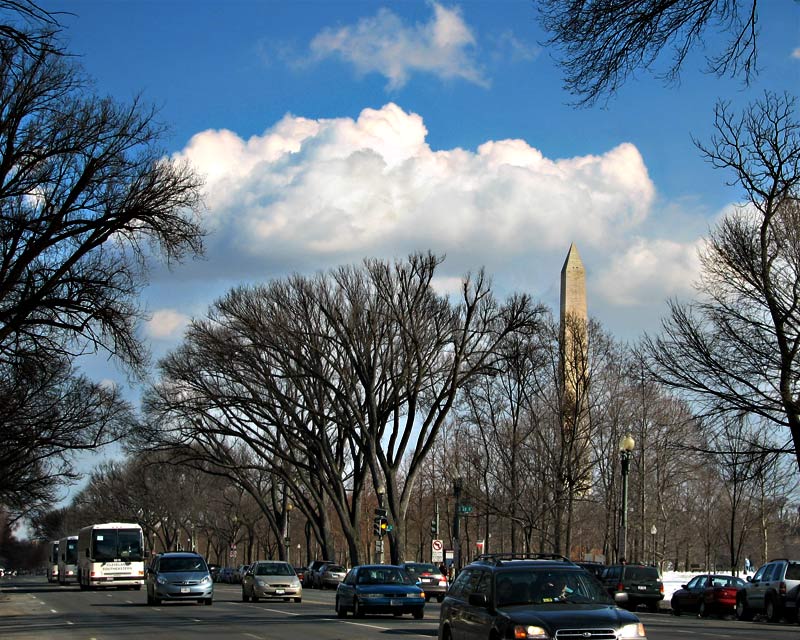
column 179, row 576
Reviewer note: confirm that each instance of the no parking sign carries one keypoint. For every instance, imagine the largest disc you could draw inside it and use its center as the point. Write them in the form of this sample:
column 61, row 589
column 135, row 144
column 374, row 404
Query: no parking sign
column 437, row 551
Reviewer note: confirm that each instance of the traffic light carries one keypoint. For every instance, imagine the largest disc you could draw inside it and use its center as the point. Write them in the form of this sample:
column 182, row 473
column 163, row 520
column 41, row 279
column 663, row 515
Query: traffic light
column 376, row 527
column 434, row 529
column 384, row 524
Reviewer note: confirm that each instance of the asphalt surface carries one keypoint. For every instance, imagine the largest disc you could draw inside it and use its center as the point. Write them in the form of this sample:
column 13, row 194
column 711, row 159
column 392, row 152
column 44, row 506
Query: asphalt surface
column 30, row 608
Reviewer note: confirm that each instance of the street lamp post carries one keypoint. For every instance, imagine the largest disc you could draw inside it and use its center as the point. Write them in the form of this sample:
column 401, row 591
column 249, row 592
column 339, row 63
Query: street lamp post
column 653, row 532
column 626, row 448
column 381, row 492
column 286, row 540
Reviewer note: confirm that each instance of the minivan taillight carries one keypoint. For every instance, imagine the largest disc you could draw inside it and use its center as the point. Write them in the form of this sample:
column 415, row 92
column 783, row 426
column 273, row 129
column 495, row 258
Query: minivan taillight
column 620, row 587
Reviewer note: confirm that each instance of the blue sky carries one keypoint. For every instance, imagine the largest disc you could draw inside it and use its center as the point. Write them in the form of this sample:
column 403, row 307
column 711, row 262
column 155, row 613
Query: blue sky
column 329, row 131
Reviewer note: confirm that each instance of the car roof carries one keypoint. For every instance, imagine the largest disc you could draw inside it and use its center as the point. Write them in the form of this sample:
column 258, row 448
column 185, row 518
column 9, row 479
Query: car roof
column 524, row 559
column 180, row 554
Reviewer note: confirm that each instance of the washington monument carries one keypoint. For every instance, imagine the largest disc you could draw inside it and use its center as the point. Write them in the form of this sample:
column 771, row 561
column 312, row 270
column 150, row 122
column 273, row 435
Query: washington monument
column 574, row 352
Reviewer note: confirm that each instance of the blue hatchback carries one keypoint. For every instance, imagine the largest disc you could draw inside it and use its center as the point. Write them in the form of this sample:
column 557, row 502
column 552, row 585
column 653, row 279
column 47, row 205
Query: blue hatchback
column 379, row 588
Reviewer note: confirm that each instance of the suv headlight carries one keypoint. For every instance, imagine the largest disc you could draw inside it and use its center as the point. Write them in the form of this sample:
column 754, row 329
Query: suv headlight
column 635, row 630
column 205, row 580
column 530, row 632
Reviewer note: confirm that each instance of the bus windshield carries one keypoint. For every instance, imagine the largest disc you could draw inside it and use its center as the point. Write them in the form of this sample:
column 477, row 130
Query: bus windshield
column 117, row 544
column 71, row 552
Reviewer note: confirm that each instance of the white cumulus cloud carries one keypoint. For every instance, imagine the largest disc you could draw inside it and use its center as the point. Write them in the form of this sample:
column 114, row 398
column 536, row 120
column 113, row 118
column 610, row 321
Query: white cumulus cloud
column 166, row 324
column 650, row 270
column 341, row 188
column 385, row 44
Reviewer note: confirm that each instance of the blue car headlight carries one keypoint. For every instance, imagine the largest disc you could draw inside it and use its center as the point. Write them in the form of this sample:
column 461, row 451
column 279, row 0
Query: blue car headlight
column 635, row 630
column 161, row 580
column 205, row 580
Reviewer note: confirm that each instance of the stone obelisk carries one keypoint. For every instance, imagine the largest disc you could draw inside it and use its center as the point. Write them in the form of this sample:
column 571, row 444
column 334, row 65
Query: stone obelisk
column 574, row 351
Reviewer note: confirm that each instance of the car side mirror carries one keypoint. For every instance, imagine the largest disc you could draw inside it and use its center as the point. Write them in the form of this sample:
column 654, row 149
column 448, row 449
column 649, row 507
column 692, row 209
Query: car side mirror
column 478, row 599
column 750, row 578
column 683, row 586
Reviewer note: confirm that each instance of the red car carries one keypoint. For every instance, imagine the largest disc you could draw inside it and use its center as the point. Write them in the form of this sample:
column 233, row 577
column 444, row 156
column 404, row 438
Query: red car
column 706, row 594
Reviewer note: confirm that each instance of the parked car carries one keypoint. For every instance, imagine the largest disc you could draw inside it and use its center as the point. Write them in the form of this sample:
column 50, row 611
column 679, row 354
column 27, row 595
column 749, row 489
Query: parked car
column 379, row 588
column 430, row 579
column 213, row 569
column 531, row 596
column 301, row 573
column 309, row 578
column 271, row 579
column 238, row 573
column 633, row 584
column 707, row 593
column 178, row 576
column 329, row 576
column 774, row 590
column 595, row 568
column 225, row 575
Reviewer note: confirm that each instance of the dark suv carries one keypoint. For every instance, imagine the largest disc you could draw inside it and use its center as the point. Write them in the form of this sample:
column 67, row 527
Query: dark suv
column 539, row 596
column 633, row 584
column 774, row 590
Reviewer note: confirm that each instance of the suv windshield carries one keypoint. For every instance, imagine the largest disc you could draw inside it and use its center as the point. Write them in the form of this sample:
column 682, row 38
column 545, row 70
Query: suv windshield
column 273, row 569
column 545, row 586
column 174, row 565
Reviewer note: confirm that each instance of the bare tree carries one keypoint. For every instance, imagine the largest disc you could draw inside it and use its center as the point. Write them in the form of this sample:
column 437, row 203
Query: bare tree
column 604, row 42
column 737, row 348
column 47, row 412
column 28, row 25
column 86, row 200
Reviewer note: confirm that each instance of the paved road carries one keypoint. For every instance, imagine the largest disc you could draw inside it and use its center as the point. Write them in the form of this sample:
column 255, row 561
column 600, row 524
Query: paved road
column 32, row 609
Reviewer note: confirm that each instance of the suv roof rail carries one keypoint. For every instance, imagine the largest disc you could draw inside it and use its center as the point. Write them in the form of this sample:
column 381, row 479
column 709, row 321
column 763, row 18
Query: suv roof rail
column 499, row 558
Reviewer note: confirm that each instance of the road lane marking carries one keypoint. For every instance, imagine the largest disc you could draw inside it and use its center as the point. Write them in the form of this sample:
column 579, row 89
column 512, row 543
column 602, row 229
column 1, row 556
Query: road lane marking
column 252, row 636
column 288, row 613
column 371, row 626
column 68, row 622
column 53, row 611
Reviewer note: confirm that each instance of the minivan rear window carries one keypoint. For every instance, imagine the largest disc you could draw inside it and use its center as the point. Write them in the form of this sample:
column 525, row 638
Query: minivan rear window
column 793, row 571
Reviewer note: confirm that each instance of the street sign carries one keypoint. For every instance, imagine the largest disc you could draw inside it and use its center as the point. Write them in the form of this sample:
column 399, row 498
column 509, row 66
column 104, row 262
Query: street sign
column 437, row 551
column 465, row 508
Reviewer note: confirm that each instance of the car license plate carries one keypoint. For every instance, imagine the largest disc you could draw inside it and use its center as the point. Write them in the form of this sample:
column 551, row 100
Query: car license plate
column 278, row 590
column 642, row 587
column 396, row 603
column 185, row 590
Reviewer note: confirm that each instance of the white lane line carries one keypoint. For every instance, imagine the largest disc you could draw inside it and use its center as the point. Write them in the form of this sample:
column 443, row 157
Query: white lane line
column 195, row 619
column 279, row 611
column 253, row 636
column 371, row 626
column 53, row 611
column 129, row 601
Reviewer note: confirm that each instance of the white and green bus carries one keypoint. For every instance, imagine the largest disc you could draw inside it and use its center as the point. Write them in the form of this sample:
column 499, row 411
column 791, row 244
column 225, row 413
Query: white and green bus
column 68, row 560
column 111, row 555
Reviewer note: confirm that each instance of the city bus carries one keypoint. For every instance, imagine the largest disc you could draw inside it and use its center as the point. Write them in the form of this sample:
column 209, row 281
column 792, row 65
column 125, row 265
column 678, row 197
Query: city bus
column 52, row 561
column 111, row 555
column 68, row 560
